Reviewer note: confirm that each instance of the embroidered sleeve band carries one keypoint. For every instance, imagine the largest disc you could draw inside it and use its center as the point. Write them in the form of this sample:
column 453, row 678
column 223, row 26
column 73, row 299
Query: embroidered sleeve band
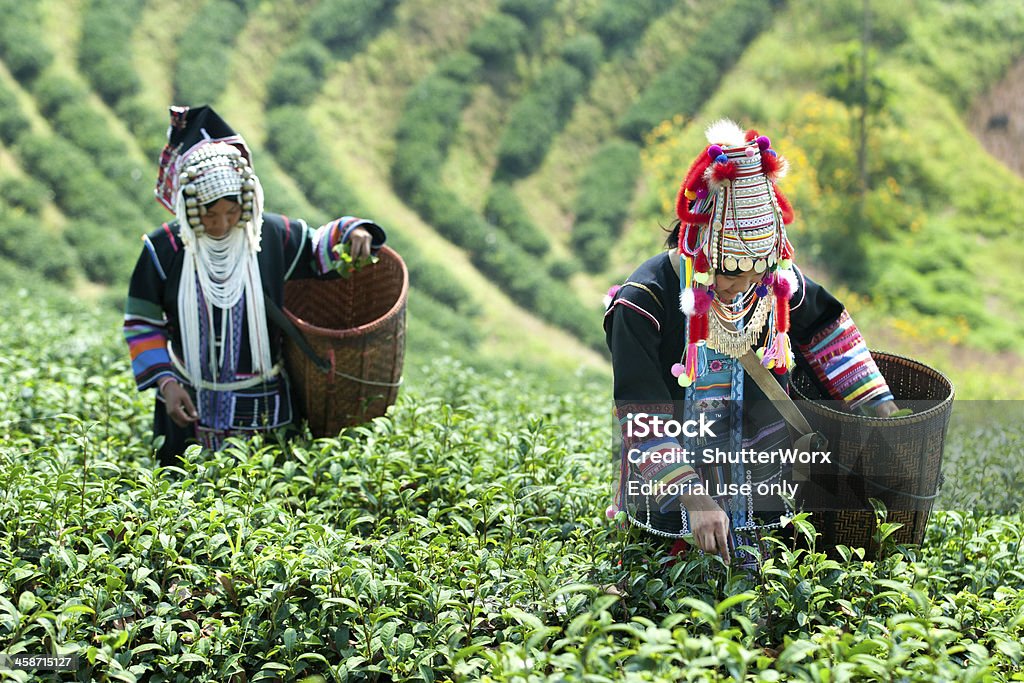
column 146, row 335
column 843, row 364
column 328, row 236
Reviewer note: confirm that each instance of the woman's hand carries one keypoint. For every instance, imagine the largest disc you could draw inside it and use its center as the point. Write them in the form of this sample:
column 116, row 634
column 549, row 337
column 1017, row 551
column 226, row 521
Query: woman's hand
column 179, row 404
column 886, row 409
column 709, row 525
column 359, row 241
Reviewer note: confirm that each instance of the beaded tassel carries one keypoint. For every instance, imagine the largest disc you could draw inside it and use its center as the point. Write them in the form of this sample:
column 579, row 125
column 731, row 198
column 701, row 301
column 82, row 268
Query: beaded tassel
column 779, row 354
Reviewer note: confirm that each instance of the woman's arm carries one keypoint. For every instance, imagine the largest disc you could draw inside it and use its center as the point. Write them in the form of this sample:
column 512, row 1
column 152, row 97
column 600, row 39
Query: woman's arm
column 145, row 322
column 826, row 337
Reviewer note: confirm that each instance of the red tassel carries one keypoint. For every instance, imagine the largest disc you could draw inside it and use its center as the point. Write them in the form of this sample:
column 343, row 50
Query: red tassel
column 688, row 239
column 786, row 209
column 787, row 250
column 770, row 164
column 698, row 328
column 700, row 263
column 750, row 135
column 781, row 313
column 724, row 171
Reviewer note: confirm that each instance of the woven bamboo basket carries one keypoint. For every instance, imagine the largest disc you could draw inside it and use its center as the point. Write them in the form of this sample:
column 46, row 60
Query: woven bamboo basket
column 896, row 460
column 358, row 324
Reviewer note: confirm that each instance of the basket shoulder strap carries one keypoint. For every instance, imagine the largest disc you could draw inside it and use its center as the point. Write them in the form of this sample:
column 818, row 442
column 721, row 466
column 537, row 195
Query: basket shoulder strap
column 783, row 402
column 278, row 317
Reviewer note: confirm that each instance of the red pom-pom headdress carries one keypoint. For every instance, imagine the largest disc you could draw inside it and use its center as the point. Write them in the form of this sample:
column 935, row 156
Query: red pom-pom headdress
column 732, row 219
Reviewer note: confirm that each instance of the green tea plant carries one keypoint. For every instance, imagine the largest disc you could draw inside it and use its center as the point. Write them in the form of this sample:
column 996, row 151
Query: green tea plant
column 460, row 538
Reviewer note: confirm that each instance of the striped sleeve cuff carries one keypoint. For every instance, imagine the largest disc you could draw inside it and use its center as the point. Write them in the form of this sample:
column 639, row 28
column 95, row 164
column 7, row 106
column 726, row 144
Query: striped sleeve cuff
column 843, row 364
column 328, row 236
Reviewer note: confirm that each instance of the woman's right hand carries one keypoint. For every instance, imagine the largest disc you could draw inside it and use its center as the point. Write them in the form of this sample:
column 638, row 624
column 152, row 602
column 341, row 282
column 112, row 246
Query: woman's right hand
column 709, row 525
column 179, row 404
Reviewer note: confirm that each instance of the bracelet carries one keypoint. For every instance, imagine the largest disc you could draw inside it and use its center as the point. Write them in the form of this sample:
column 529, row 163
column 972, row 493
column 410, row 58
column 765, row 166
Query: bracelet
column 163, row 382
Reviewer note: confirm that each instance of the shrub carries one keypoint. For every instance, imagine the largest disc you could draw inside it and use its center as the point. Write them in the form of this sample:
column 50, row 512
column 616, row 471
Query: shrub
column 583, row 321
column 298, row 74
column 149, row 126
column 344, row 26
column 686, row 85
column 455, row 327
column 102, row 53
column 204, row 52
column 620, row 24
column 536, row 119
column 591, row 242
column 13, row 121
column 498, row 40
column 23, row 241
column 22, row 46
column 78, row 188
column 563, row 269
column 429, row 120
column 607, row 186
column 81, row 123
column 27, row 194
column 504, row 210
column 295, row 145
column 461, row 67
column 605, row 193
column 53, row 92
column 530, row 12
column 104, row 253
column 584, row 52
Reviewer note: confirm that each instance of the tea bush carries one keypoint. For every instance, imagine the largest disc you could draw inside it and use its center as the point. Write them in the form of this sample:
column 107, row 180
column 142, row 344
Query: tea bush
column 584, row 52
column 687, row 83
column 504, row 210
column 297, row 75
column 605, row 193
column 22, row 46
column 102, row 56
column 530, row 12
column 204, row 52
column 497, row 41
column 295, row 146
column 535, row 120
column 23, row 241
column 460, row 538
column 13, row 121
column 428, row 123
column 343, row 26
column 620, row 24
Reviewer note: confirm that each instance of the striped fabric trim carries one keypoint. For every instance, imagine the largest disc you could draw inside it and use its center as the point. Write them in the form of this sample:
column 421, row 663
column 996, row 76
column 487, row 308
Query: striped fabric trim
column 152, row 254
column 637, row 308
column 146, row 336
column 304, row 233
column 664, row 475
column 843, row 364
column 327, row 236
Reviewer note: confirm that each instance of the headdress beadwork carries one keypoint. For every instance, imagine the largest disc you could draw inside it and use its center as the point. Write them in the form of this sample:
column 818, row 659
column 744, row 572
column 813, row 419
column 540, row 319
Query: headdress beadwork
column 732, row 219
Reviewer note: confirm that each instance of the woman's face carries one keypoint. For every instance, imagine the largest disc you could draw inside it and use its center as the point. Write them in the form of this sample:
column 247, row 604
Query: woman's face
column 220, row 217
column 728, row 286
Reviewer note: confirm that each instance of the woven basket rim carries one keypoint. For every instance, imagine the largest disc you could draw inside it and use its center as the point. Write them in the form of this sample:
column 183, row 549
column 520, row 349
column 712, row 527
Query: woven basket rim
column 893, row 421
column 365, row 328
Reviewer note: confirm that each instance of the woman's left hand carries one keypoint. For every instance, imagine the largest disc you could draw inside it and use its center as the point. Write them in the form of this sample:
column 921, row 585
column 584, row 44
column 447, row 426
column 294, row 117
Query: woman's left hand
column 359, row 241
column 886, row 408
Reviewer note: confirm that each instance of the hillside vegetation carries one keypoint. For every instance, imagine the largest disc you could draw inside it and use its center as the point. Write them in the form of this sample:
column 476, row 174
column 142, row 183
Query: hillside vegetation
column 523, row 153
